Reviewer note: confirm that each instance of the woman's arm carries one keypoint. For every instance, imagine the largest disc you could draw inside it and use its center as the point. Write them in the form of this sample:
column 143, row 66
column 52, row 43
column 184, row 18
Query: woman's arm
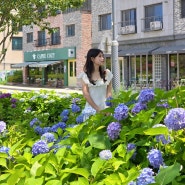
column 109, row 90
column 85, row 90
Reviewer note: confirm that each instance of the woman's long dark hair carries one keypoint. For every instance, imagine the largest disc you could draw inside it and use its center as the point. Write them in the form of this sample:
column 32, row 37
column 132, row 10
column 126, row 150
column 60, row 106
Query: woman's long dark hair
column 89, row 66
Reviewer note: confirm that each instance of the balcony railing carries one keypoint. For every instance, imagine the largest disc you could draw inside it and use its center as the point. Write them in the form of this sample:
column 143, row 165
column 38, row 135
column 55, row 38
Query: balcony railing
column 152, row 23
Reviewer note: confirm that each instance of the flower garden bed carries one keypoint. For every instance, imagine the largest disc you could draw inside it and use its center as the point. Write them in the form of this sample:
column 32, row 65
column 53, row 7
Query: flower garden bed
column 138, row 139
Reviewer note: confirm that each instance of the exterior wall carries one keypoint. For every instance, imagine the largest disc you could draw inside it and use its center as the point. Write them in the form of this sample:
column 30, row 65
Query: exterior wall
column 12, row 56
column 99, row 37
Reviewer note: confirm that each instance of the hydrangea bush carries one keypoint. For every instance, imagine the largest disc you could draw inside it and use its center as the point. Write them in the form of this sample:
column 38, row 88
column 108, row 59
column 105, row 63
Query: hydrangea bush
column 138, row 139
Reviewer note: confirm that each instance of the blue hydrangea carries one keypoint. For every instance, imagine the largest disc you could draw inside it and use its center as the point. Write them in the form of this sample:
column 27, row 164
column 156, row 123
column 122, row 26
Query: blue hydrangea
column 64, row 113
column 87, row 112
column 40, row 147
column 161, row 137
column 75, row 108
column 48, row 137
column 75, row 100
column 113, row 130
column 164, row 105
column 34, row 121
column 55, row 127
column 38, row 130
column 121, row 112
column 105, row 154
column 2, row 126
column 146, row 95
column 80, row 118
column 4, row 149
column 175, row 119
column 132, row 183
column 65, row 118
column 138, row 107
column 155, row 158
column 108, row 101
column 146, row 177
column 130, row 147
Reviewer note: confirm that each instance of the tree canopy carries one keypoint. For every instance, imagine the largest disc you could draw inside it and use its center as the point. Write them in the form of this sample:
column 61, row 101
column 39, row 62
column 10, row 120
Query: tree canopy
column 17, row 13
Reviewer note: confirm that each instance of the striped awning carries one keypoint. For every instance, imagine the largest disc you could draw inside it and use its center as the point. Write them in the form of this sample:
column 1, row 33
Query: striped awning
column 44, row 64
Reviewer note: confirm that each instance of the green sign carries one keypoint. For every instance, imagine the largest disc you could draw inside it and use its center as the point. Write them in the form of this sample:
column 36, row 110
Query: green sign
column 52, row 54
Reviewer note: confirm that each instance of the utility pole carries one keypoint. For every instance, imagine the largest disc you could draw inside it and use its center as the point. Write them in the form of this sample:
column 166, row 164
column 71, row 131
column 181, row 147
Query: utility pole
column 114, row 52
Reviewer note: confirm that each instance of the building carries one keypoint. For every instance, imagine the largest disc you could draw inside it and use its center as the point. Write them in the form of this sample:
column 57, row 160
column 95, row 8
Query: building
column 151, row 37
column 59, row 56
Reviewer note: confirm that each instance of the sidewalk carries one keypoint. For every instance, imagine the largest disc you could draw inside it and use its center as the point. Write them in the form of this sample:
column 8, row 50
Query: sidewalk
column 15, row 88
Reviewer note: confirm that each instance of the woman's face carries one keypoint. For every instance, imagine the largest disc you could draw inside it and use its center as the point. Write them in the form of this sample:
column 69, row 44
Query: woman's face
column 98, row 60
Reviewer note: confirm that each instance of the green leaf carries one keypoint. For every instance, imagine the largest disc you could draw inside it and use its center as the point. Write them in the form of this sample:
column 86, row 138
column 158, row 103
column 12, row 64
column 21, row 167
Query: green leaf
column 99, row 141
column 97, row 166
column 79, row 171
column 36, row 169
column 166, row 175
column 156, row 131
column 36, row 181
column 14, row 147
column 53, row 182
column 3, row 162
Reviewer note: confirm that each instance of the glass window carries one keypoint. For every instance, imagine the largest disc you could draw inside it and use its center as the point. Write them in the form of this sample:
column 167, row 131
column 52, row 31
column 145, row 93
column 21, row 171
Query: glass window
column 41, row 38
column 17, row 43
column 29, row 37
column 182, row 66
column 153, row 13
column 182, row 8
column 105, row 22
column 55, row 36
column 128, row 17
column 70, row 30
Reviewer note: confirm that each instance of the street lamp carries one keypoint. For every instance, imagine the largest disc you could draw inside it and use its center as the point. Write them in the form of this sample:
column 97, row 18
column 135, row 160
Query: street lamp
column 114, row 52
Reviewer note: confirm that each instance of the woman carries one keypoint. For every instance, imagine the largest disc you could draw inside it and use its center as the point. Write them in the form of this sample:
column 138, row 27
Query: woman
column 96, row 82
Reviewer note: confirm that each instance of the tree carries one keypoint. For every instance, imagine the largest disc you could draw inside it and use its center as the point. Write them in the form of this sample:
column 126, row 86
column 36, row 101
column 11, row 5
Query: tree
column 17, row 13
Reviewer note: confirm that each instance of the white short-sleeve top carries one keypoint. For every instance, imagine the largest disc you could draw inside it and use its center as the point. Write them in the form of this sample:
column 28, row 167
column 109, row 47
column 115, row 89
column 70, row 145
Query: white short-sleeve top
column 99, row 90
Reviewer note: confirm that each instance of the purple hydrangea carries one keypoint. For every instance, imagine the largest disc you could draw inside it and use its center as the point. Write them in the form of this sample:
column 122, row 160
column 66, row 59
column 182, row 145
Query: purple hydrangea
column 4, row 149
column 13, row 105
column 155, row 158
column 164, row 105
column 146, row 177
column 121, row 112
column 105, row 154
column 146, row 95
column 65, row 112
column 55, row 127
column 40, row 147
column 48, row 137
column 138, row 107
column 175, row 119
column 75, row 100
column 108, row 101
column 34, row 121
column 113, row 130
column 2, row 126
column 80, row 118
column 5, row 95
column 75, row 108
column 13, row 100
column 131, row 147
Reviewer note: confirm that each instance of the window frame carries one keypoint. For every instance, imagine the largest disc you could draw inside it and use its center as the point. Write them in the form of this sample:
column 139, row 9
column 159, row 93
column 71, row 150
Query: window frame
column 19, row 44
column 105, row 22
column 182, row 8
column 70, row 30
column 29, row 37
column 55, row 37
column 42, row 38
column 125, row 21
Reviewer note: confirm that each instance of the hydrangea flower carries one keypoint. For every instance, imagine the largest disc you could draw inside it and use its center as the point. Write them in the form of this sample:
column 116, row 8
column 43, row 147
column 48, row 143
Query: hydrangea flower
column 2, row 126
column 34, row 121
column 80, row 118
column 130, row 147
column 146, row 95
column 40, row 147
column 163, row 104
column 65, row 118
column 75, row 100
column 155, row 158
column 108, row 101
column 75, row 108
column 175, row 119
column 138, row 107
column 121, row 112
column 55, row 127
column 105, row 154
column 161, row 137
column 146, row 177
column 87, row 112
column 132, row 183
column 48, row 137
column 64, row 113
column 113, row 130
column 5, row 95
column 4, row 149
column 13, row 100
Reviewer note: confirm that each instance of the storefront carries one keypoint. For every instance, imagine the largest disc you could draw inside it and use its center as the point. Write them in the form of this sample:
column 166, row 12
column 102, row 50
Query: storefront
column 45, row 65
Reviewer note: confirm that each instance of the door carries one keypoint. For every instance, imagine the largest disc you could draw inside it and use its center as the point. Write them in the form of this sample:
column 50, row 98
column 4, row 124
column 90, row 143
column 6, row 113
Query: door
column 72, row 73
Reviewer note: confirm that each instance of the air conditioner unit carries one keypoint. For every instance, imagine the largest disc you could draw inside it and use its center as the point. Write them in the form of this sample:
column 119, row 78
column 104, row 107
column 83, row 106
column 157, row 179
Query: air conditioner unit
column 128, row 29
column 156, row 25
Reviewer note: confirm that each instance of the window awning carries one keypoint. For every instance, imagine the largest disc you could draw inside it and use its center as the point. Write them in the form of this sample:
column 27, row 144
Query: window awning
column 169, row 50
column 23, row 64
column 135, row 51
column 44, row 63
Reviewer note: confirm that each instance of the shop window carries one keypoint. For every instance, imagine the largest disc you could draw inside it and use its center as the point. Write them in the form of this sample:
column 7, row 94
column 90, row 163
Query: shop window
column 29, row 37
column 17, row 43
column 105, row 22
column 70, row 30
